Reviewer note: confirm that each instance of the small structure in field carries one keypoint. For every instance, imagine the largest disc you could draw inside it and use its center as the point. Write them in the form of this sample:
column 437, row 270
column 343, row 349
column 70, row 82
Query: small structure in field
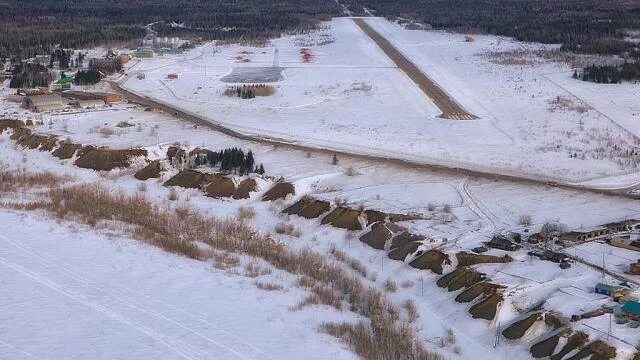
column 502, row 243
column 631, row 309
column 90, row 104
column 469, row 39
column 108, row 98
column 634, row 268
column 578, row 236
column 250, row 91
column 40, row 103
column 628, row 242
column 172, row 76
column 614, row 291
column 140, row 76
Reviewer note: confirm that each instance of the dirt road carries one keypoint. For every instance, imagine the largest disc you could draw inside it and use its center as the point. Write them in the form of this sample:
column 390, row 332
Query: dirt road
column 200, row 120
column 449, row 107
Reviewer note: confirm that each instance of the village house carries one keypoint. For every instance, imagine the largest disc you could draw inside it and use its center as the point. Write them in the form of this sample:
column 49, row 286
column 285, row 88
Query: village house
column 108, row 98
column 634, row 268
column 578, row 236
column 614, row 291
column 502, row 243
column 631, row 309
column 628, row 241
column 41, row 103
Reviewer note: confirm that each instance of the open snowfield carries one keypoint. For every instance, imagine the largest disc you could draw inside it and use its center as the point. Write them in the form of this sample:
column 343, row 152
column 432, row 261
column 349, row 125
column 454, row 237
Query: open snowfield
column 71, row 291
column 551, row 125
column 479, row 207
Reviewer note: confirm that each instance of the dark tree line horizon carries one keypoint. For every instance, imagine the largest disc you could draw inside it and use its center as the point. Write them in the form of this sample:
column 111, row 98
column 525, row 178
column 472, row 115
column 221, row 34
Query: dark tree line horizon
column 584, row 26
column 34, row 27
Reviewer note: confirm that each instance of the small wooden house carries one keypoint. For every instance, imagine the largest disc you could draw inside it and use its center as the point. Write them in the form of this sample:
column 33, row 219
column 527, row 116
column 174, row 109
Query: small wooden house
column 634, row 268
column 631, row 309
column 613, row 291
column 502, row 243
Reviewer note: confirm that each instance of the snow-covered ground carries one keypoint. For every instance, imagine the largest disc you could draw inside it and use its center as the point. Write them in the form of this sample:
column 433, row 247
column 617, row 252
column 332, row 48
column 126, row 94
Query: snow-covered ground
column 534, row 118
column 103, row 295
column 71, row 293
column 479, row 208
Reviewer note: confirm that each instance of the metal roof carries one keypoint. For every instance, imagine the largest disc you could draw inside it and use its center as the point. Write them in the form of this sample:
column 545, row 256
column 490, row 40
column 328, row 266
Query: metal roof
column 632, row 307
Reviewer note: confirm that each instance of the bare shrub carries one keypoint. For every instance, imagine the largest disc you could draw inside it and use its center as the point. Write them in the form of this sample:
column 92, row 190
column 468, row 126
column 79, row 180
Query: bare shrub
column 305, row 281
column 254, row 270
column 381, row 336
column 106, row 132
column 321, row 294
column 246, row 212
column 173, row 195
column 268, row 286
column 390, row 285
column 142, row 187
column 406, row 284
column 17, row 180
column 224, row 260
column 354, row 264
column 431, row 206
column 412, row 310
column 446, row 208
column 350, row 171
column 287, row 229
column 525, row 220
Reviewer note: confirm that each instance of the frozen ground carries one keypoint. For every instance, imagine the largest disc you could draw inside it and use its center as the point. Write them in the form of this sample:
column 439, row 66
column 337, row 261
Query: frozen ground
column 351, row 97
column 99, row 290
column 479, row 208
column 71, row 293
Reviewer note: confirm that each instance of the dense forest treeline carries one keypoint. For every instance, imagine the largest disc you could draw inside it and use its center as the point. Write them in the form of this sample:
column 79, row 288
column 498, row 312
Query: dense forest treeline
column 30, row 27
column 583, row 26
column 609, row 74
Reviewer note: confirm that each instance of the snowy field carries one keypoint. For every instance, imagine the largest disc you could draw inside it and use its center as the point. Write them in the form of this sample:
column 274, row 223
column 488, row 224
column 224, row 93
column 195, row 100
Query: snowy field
column 103, row 295
column 350, row 96
column 479, row 208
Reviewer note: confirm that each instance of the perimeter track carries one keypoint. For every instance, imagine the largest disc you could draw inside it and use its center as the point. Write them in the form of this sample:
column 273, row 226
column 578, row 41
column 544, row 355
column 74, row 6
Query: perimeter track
column 221, row 128
column 449, row 107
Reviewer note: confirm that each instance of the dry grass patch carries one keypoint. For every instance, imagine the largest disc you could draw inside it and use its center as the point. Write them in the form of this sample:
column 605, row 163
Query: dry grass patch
column 246, row 212
column 390, row 286
column 268, row 286
column 285, row 228
column 354, row 264
column 412, row 310
column 380, row 335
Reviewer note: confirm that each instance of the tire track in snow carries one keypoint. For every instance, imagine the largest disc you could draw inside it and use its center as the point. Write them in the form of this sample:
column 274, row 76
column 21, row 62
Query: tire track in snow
column 137, row 305
column 50, row 284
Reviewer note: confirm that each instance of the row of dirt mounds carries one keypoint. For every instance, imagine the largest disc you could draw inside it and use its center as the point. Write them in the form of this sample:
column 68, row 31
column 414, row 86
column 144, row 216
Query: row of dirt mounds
column 244, row 189
column 518, row 328
column 345, row 218
column 462, row 277
column 153, row 170
column 88, row 157
column 485, row 296
column 449, row 107
column 66, row 150
column 104, row 159
column 308, row 208
column 190, row 179
column 576, row 344
column 378, row 236
column 433, row 260
column 220, row 186
column 467, row 259
column 281, row 190
column 480, row 290
column 214, row 185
